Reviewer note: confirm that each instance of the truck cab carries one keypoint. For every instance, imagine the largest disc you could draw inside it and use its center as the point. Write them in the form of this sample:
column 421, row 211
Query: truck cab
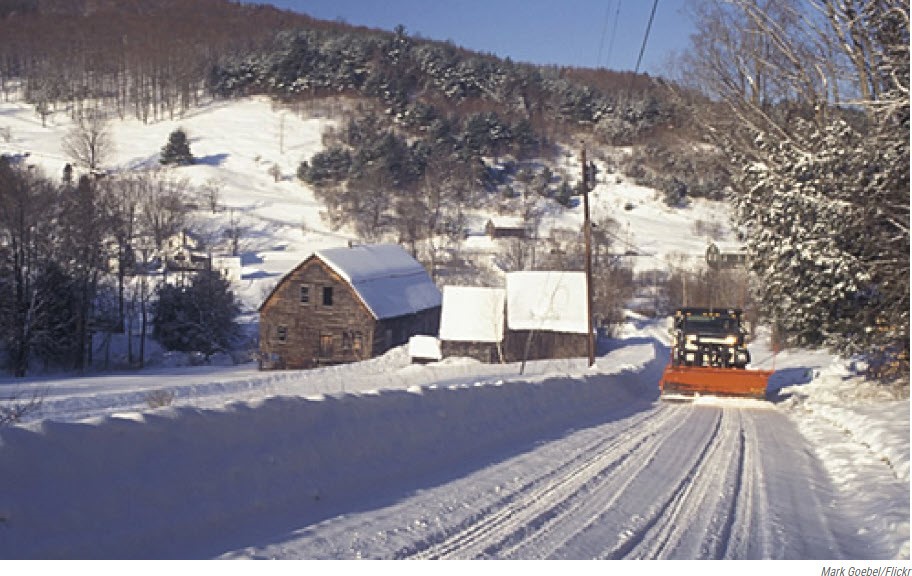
column 711, row 337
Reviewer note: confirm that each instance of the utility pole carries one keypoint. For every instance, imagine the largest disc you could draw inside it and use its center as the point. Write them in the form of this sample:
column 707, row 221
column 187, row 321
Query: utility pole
column 587, row 233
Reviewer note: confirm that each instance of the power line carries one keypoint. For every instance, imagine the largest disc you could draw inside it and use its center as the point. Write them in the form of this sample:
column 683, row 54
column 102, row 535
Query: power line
column 617, row 17
column 617, row 13
column 598, row 60
column 646, row 36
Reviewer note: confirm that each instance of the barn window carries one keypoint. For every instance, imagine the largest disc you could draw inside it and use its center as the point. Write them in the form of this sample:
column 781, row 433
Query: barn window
column 346, row 341
column 305, row 294
column 327, row 296
column 282, row 333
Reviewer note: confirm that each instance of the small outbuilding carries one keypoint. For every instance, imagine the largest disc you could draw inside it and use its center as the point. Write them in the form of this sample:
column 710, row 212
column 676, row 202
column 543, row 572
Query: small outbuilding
column 472, row 322
column 505, row 227
column 347, row 304
column 546, row 315
column 183, row 252
column 424, row 349
column 229, row 267
column 540, row 315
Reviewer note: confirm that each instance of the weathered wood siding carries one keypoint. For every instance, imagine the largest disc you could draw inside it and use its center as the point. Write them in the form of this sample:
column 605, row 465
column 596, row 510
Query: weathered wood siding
column 394, row 332
column 544, row 345
column 296, row 334
column 482, row 351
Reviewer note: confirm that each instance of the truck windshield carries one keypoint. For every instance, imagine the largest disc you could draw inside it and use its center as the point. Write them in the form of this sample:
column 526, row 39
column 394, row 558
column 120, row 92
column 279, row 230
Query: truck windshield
column 710, row 324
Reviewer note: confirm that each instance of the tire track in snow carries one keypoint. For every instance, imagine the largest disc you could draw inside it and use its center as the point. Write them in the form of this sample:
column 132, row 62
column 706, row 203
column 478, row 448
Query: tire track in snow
column 527, row 509
column 688, row 522
column 649, row 535
column 738, row 487
column 674, row 481
column 748, row 514
column 585, row 507
column 573, row 517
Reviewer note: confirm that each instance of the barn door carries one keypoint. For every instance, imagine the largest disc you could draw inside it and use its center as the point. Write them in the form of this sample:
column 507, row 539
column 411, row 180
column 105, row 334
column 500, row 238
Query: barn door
column 326, row 345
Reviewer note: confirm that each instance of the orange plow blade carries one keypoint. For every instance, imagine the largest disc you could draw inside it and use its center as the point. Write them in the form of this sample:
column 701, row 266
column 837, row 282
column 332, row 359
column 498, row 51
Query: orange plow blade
column 701, row 381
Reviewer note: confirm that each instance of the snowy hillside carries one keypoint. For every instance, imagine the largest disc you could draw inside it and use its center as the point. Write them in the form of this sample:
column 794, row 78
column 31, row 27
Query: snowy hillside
column 238, row 143
column 235, row 144
column 383, row 459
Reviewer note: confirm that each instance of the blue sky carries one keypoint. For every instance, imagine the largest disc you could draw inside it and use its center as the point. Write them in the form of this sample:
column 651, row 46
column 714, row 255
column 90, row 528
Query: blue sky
column 586, row 33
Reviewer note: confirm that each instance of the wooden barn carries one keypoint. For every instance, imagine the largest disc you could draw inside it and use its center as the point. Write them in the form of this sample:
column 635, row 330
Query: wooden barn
column 347, row 304
column 546, row 314
column 472, row 323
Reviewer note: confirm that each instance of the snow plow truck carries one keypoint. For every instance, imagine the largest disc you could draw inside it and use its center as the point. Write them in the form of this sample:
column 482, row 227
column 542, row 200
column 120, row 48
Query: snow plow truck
column 709, row 357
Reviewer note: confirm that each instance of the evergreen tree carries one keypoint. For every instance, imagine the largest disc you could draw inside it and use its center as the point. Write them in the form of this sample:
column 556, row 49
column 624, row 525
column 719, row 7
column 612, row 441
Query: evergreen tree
column 821, row 187
column 196, row 318
column 177, row 150
column 83, row 226
column 328, row 166
column 56, row 328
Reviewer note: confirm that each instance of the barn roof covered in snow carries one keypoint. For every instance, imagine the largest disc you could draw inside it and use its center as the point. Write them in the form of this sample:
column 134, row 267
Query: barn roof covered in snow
column 472, row 314
column 551, row 301
column 387, row 279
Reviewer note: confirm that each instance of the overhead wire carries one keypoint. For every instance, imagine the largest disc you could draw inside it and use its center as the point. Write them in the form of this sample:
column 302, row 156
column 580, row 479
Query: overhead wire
column 617, row 12
column 655, row 4
column 626, row 242
column 598, row 59
column 617, row 17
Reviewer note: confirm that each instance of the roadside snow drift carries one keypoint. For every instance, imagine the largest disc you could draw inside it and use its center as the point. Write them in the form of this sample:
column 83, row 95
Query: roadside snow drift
column 187, row 482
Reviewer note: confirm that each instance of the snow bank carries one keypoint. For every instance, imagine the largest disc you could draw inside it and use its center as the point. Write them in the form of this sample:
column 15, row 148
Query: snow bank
column 860, row 432
column 74, row 399
column 187, row 482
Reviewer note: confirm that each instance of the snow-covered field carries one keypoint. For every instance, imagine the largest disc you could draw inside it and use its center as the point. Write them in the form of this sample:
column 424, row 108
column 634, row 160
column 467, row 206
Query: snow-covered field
column 383, row 459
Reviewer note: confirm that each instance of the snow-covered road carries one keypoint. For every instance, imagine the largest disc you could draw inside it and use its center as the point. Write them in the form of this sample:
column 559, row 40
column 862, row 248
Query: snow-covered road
column 672, row 481
column 458, row 459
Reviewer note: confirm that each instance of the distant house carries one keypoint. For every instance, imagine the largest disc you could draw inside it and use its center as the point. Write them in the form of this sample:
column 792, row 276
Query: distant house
column 472, row 322
column 546, row 315
column 347, row 304
column 183, row 252
column 505, row 227
column 716, row 259
column 229, row 267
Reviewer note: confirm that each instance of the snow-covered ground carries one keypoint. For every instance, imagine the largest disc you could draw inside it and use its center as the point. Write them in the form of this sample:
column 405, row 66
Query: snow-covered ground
column 385, row 459
column 344, row 462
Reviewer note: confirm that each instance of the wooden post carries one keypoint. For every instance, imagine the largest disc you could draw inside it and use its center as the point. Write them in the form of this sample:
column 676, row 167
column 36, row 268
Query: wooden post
column 587, row 232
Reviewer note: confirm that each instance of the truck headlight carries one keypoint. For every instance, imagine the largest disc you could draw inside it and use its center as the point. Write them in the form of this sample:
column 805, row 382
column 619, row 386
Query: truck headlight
column 690, row 342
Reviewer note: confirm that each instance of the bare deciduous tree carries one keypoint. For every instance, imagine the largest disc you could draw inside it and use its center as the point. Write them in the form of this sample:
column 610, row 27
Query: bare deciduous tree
column 89, row 142
column 210, row 193
column 27, row 210
column 162, row 207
